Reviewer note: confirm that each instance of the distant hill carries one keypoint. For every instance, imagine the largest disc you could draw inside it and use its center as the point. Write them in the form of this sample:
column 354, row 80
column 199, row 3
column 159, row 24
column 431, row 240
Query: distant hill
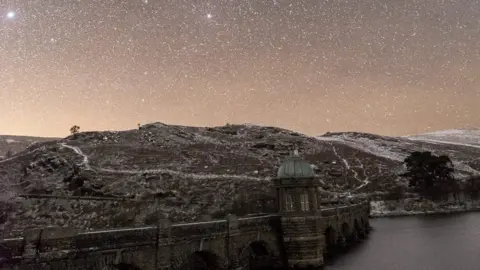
column 453, row 136
column 16, row 144
column 183, row 173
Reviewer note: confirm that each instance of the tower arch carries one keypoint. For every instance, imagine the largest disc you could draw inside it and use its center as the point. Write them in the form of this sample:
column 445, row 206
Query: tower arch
column 201, row 260
column 331, row 237
column 257, row 256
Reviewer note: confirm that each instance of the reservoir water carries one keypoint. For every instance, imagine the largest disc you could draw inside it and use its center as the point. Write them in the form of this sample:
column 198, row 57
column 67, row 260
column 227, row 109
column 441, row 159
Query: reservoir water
column 440, row 242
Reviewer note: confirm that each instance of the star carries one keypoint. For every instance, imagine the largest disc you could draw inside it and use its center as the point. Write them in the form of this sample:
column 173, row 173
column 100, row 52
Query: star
column 11, row 14
column 212, row 62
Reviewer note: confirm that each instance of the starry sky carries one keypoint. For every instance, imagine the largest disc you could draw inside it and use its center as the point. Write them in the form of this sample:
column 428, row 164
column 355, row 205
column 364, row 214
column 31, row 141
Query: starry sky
column 392, row 67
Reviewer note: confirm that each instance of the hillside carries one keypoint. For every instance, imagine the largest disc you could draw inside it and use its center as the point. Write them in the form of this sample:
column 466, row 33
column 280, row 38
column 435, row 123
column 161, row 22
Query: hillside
column 466, row 157
column 136, row 177
column 16, row 144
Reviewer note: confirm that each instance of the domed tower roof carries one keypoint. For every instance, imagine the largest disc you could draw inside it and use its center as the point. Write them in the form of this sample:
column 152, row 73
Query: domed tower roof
column 295, row 167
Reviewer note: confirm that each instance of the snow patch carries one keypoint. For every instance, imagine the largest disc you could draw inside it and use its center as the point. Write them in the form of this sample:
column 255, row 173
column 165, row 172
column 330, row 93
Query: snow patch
column 381, row 148
column 444, row 142
column 453, row 136
column 378, row 208
column 417, row 206
column 11, row 140
column 464, row 167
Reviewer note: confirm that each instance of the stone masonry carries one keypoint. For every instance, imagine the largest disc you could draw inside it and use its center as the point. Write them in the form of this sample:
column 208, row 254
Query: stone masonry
column 299, row 235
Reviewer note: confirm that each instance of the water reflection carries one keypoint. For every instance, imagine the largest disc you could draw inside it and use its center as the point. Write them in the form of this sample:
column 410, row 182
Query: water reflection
column 438, row 242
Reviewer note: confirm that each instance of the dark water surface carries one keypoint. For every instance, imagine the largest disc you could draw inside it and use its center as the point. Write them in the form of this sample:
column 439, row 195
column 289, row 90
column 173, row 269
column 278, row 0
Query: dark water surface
column 443, row 242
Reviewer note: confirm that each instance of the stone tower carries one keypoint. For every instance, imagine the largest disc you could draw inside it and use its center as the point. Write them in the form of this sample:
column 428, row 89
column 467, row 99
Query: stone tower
column 298, row 206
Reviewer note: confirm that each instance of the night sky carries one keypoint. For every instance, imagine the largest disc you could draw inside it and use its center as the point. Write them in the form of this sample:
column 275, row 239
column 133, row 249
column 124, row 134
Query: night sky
column 382, row 66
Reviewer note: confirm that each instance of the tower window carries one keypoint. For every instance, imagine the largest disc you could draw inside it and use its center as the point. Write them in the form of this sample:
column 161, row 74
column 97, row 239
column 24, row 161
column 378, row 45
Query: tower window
column 288, row 203
column 304, row 203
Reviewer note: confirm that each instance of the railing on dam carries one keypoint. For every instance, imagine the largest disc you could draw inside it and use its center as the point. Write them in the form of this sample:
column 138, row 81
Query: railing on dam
column 344, row 209
column 68, row 240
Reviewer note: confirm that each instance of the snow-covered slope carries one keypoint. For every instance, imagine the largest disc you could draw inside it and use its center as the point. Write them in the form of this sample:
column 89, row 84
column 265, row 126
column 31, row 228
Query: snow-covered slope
column 454, row 136
column 465, row 156
column 386, row 147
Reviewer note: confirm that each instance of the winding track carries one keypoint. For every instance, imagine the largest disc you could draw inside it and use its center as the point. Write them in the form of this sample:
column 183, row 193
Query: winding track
column 86, row 164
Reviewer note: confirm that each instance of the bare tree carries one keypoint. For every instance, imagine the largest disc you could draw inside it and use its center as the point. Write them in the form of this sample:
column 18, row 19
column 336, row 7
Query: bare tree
column 74, row 130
